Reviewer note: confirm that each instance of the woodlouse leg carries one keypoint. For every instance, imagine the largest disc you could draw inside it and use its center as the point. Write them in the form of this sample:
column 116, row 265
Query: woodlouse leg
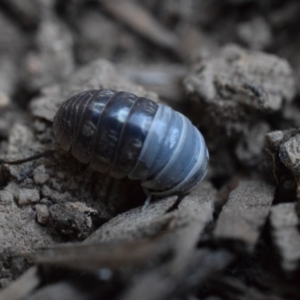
column 148, row 199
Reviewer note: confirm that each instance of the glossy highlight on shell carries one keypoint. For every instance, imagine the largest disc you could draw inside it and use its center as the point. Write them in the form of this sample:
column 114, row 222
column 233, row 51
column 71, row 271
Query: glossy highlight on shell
column 121, row 134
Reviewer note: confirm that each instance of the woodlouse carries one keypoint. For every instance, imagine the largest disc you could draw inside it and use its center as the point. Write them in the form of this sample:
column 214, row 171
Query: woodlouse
column 123, row 135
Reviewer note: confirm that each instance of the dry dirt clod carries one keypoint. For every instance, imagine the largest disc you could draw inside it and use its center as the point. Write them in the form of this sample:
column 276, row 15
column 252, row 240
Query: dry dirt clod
column 42, row 213
column 233, row 94
column 285, row 223
column 40, row 176
column 19, row 231
column 27, row 196
column 239, row 78
column 6, row 197
column 283, row 151
column 256, row 33
column 71, row 219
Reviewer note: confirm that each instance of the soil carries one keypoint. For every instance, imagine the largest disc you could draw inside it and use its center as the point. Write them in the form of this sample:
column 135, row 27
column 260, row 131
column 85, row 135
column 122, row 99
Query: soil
column 233, row 68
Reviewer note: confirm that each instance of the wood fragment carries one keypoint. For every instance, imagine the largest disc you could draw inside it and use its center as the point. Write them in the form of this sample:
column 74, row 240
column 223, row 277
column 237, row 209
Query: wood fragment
column 141, row 21
column 92, row 257
column 160, row 216
column 197, row 208
column 163, row 79
column 22, row 287
column 200, row 267
column 286, row 235
column 137, row 223
column 247, row 209
column 234, row 289
column 188, row 260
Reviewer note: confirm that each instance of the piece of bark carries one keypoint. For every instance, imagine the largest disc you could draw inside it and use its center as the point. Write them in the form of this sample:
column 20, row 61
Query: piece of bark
column 112, row 255
column 245, row 212
column 185, row 222
column 136, row 223
column 22, row 287
column 159, row 216
column 286, row 235
column 190, row 218
column 164, row 79
column 200, row 267
column 289, row 154
column 139, row 19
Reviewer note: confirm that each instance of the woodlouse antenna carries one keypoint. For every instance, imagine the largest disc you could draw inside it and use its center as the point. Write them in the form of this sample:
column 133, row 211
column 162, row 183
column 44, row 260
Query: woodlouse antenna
column 24, row 160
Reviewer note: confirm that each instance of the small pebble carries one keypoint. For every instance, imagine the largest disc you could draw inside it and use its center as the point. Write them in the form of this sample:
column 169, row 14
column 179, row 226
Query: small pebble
column 42, row 213
column 39, row 126
column 6, row 197
column 4, row 100
column 28, row 195
column 39, row 175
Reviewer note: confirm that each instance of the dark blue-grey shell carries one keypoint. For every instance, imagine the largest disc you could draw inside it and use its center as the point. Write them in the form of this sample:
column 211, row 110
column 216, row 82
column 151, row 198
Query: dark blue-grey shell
column 122, row 134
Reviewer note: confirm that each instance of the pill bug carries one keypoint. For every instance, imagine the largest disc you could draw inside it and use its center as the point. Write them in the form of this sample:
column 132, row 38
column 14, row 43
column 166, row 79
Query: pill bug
column 121, row 134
